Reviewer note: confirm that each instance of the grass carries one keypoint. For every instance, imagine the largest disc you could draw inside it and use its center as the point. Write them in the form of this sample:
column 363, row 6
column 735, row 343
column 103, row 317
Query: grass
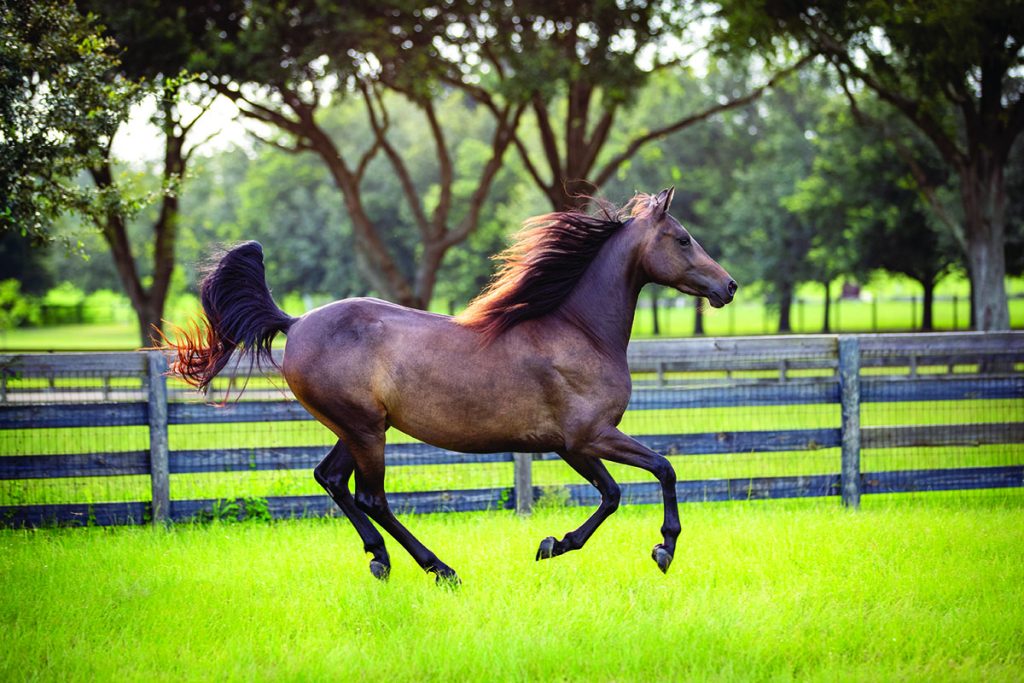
column 913, row 591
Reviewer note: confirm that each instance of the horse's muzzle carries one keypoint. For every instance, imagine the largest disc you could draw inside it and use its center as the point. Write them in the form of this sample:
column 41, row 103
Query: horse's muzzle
column 720, row 296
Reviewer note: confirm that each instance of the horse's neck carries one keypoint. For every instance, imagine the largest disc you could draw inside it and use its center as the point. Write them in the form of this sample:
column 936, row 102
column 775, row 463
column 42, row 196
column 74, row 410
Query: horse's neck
column 603, row 302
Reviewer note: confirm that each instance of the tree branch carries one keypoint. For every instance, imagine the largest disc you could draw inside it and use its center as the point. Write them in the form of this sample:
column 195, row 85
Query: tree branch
column 503, row 136
column 616, row 161
column 920, row 177
column 404, row 178
column 547, row 136
column 444, row 162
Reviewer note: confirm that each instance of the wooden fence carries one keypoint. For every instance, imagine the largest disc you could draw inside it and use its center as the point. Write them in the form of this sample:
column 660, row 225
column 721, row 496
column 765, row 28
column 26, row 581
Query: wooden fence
column 847, row 371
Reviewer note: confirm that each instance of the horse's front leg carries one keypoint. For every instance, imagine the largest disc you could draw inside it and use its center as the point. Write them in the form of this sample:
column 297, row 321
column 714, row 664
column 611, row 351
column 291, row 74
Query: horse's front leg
column 615, row 446
column 591, row 469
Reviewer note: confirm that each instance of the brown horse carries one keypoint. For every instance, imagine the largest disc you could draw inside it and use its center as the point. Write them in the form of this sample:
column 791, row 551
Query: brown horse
column 537, row 362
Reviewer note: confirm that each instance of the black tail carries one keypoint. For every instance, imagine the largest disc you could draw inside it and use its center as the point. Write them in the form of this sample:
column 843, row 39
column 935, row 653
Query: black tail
column 239, row 313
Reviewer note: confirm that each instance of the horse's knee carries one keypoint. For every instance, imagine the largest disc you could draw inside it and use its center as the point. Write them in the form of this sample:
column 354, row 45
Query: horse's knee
column 664, row 472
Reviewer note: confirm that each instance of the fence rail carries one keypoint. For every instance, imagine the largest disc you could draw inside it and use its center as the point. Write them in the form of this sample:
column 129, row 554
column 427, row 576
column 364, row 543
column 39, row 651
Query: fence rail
column 48, row 392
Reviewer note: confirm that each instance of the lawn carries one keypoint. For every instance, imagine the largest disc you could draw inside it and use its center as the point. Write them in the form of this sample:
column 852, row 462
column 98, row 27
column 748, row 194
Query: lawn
column 924, row 590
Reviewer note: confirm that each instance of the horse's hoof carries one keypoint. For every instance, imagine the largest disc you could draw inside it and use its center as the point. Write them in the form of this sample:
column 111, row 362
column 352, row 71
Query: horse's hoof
column 546, row 549
column 380, row 570
column 662, row 557
column 447, row 579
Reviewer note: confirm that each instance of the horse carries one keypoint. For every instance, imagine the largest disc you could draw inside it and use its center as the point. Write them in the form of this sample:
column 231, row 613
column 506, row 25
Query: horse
column 536, row 363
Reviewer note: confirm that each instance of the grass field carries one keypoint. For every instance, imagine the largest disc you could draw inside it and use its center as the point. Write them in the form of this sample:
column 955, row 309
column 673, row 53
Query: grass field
column 920, row 591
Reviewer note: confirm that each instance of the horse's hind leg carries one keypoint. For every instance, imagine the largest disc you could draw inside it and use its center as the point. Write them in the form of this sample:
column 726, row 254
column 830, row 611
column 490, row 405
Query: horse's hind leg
column 594, row 471
column 370, row 497
column 333, row 474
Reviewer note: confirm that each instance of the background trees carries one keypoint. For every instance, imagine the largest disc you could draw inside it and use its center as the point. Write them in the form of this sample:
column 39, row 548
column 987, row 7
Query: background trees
column 394, row 146
column 952, row 69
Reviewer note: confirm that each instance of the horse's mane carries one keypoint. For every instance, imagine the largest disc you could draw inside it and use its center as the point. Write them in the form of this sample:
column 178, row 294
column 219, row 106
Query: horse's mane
column 543, row 264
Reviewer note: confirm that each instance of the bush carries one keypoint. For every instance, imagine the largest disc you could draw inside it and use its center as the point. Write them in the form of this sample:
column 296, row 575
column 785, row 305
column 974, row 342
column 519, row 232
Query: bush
column 17, row 309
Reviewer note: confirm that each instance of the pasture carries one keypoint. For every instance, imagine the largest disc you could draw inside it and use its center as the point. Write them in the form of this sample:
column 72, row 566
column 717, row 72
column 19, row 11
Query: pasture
column 921, row 588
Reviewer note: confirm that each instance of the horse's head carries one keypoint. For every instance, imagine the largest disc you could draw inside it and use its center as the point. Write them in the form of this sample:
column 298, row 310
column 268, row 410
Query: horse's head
column 671, row 257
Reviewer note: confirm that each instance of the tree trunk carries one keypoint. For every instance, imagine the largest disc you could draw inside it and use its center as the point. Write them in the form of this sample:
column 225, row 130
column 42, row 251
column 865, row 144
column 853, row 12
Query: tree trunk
column 928, row 285
column 826, row 325
column 983, row 190
column 785, row 306
column 150, row 315
column 698, row 317
column 654, row 312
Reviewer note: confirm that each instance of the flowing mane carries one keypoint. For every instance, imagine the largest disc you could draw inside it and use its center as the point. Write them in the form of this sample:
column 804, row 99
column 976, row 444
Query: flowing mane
column 542, row 266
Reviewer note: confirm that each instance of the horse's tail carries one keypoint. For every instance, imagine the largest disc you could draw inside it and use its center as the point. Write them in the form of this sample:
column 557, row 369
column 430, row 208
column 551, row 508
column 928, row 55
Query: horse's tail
column 239, row 312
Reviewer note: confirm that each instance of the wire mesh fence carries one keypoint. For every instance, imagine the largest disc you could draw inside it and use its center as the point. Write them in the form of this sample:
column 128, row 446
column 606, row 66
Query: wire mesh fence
column 739, row 418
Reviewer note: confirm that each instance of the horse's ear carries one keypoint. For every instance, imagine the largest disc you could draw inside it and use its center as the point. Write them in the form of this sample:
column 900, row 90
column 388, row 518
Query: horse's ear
column 663, row 201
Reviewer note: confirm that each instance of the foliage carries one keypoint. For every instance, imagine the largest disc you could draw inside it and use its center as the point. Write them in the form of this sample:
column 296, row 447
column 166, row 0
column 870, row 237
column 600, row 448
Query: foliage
column 59, row 107
column 15, row 307
column 951, row 69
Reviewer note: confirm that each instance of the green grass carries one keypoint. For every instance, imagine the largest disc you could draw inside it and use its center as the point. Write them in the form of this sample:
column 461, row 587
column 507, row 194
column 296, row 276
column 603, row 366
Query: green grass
column 758, row 592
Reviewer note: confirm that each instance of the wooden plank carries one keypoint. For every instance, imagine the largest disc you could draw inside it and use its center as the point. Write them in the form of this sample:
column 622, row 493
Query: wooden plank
column 468, row 500
column 943, row 435
column 789, row 347
column 72, row 415
column 965, row 357
column 242, row 459
column 712, row 490
column 158, row 444
column 790, row 393
column 942, row 343
column 709, row 443
column 900, row 390
column 74, row 514
column 523, row 477
column 965, row 478
column 849, row 392
column 80, row 465
column 117, row 364
column 238, row 411
column 413, row 454
column 305, row 457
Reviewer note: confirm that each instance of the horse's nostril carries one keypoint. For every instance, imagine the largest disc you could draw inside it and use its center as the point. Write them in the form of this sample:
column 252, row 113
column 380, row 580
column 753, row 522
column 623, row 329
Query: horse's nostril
column 732, row 287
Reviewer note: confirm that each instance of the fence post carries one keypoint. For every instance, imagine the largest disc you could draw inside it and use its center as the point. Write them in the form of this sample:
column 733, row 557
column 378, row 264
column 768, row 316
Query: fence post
column 158, row 446
column 523, row 467
column 849, row 392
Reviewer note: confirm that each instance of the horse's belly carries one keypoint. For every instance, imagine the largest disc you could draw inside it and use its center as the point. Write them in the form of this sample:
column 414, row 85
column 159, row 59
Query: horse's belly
column 479, row 422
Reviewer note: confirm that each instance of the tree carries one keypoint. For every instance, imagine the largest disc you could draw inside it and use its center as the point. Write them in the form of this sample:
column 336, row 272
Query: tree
column 768, row 242
column 281, row 67
column 157, row 50
column 952, row 69
column 861, row 182
column 579, row 65
column 58, row 106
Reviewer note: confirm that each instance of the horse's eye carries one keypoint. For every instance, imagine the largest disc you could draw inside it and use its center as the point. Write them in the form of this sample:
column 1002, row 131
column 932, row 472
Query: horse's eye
column 684, row 241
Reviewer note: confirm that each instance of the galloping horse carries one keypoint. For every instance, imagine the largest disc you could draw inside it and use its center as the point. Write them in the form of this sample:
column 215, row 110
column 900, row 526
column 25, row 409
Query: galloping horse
column 536, row 363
